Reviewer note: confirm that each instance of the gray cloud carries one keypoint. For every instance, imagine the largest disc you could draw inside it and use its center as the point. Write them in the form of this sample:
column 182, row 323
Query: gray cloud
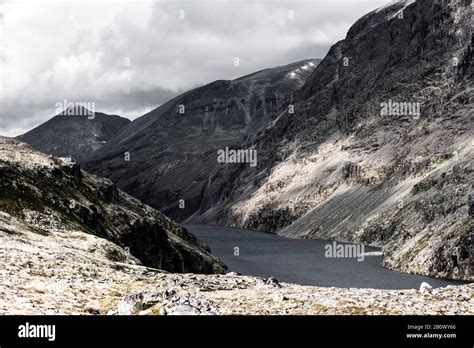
column 79, row 51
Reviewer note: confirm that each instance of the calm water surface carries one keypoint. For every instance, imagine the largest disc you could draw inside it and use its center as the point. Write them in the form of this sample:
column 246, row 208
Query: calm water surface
column 302, row 261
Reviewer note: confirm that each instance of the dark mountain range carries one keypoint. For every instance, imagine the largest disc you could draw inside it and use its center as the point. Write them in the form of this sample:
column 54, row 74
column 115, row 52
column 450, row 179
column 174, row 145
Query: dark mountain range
column 74, row 134
column 172, row 149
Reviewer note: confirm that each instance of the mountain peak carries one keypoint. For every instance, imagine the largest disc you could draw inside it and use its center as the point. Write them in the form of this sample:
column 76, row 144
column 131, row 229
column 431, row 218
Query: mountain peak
column 75, row 132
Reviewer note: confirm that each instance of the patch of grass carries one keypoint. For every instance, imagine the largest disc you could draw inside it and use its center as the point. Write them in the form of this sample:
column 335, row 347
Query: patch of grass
column 320, row 309
column 355, row 310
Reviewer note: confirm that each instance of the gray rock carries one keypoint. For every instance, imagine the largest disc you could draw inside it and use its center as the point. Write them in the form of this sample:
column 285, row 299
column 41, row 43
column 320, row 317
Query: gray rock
column 278, row 297
column 182, row 310
column 130, row 305
column 272, row 281
column 233, row 274
column 426, row 288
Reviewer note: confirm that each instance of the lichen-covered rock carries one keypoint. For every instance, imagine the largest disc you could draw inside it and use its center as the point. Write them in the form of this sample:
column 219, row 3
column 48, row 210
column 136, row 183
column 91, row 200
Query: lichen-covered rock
column 426, row 288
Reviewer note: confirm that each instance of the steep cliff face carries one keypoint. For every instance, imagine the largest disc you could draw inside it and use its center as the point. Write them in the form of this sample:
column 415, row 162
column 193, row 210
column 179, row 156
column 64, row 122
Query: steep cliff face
column 379, row 148
column 74, row 134
column 52, row 197
column 172, row 150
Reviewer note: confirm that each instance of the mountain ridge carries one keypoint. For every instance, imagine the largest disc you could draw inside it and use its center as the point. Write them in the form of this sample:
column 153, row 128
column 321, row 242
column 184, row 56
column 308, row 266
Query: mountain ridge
column 164, row 145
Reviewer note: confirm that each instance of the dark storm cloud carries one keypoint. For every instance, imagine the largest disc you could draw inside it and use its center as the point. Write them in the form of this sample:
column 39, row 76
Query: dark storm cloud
column 129, row 57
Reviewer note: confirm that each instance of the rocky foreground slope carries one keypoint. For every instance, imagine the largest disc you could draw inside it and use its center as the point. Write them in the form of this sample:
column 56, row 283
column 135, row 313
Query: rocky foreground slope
column 44, row 198
column 53, row 271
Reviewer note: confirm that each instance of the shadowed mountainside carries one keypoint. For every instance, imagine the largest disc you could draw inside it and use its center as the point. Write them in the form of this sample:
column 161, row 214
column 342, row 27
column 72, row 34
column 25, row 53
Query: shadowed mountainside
column 74, row 135
column 173, row 154
column 47, row 196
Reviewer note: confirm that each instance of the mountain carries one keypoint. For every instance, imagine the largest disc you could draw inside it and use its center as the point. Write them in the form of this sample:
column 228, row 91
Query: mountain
column 378, row 149
column 167, row 157
column 50, row 201
column 74, row 134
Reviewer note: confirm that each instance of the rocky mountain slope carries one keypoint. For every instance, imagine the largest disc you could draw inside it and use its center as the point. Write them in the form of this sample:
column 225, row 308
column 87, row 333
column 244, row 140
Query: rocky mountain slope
column 74, row 134
column 46, row 201
column 172, row 149
column 347, row 166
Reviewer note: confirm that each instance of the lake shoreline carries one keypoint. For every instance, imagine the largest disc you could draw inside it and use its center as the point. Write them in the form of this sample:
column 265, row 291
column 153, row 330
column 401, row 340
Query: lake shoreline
column 302, row 261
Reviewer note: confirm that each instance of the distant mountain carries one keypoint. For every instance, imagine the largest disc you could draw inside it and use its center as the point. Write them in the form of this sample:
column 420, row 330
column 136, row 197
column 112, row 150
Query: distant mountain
column 172, row 149
column 74, row 134
column 50, row 202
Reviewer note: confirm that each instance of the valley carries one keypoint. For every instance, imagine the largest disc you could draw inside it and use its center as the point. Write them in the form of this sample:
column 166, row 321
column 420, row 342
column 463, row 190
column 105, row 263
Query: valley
column 340, row 185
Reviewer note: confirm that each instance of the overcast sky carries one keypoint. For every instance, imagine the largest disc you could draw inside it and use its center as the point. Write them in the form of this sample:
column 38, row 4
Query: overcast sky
column 129, row 57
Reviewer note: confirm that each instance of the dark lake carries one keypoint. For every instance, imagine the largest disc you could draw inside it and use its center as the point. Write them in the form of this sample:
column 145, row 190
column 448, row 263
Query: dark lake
column 302, row 261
